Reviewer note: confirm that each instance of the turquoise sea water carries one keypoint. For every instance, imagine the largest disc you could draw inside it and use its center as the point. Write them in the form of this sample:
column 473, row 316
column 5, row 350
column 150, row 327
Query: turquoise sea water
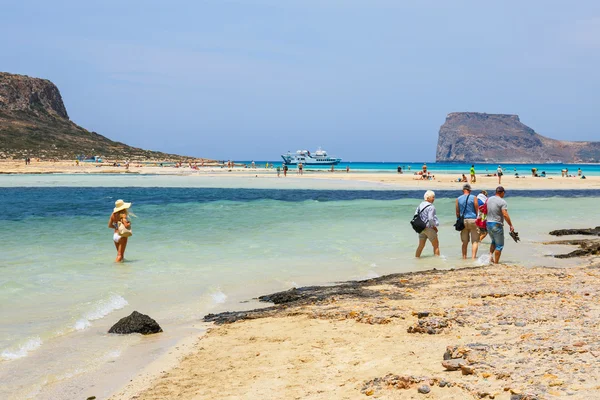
column 200, row 250
column 458, row 168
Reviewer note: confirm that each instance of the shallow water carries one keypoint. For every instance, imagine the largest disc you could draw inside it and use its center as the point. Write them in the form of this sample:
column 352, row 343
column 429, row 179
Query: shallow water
column 197, row 250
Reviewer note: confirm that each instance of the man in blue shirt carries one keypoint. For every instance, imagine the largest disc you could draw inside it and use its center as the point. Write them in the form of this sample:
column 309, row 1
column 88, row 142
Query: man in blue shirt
column 467, row 206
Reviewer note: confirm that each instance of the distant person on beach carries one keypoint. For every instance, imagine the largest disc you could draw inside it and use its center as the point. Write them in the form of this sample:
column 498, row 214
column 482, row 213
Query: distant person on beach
column 347, row 168
column 472, row 171
column 497, row 213
column 463, row 178
column 426, row 211
column 332, row 170
column 424, row 168
column 120, row 214
column 499, row 172
column 534, row 172
column 278, row 170
column 578, row 171
column 466, row 207
column 285, row 170
column 481, row 216
column 399, row 169
column 300, row 168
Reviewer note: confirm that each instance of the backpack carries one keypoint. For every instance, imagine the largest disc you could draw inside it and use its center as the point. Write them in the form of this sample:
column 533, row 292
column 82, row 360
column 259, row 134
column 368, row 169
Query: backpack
column 417, row 223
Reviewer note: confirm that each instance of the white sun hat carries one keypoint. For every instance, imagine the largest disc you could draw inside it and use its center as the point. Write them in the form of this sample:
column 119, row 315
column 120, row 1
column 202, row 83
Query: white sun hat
column 121, row 205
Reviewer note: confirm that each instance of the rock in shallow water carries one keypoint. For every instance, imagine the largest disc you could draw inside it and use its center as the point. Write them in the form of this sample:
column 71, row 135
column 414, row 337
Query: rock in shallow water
column 136, row 323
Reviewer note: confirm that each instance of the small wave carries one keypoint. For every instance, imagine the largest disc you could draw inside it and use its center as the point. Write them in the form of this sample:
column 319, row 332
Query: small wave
column 102, row 309
column 219, row 297
column 373, row 265
column 82, row 324
column 484, row 259
column 371, row 275
column 30, row 345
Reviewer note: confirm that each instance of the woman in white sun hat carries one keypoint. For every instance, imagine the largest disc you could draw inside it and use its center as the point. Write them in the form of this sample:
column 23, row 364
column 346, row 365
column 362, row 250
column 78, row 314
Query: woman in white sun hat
column 120, row 216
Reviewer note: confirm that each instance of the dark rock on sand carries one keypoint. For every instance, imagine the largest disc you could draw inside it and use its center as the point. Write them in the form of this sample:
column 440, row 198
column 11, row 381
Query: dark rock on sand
column 454, row 364
column 136, row 323
column 587, row 247
column 424, row 389
column 467, row 369
column 431, row 326
column 590, row 231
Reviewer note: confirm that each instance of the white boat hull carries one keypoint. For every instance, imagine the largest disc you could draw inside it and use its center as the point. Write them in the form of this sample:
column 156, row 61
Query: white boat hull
column 320, row 157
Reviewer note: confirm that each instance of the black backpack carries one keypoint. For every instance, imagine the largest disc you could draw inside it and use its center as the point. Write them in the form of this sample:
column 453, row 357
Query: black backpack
column 417, row 223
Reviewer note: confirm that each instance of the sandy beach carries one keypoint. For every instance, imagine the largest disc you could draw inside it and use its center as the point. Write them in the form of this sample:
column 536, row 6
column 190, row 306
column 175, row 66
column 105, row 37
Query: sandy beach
column 391, row 180
column 467, row 333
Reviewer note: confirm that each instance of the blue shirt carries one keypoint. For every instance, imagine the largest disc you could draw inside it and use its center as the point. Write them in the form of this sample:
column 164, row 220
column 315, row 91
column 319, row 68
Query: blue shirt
column 470, row 212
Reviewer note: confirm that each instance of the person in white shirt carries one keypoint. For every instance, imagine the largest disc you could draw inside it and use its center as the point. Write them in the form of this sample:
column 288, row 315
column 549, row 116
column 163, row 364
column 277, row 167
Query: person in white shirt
column 426, row 211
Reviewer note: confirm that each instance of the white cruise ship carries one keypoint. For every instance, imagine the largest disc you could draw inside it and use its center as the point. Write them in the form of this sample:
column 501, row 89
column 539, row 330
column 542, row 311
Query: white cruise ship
column 305, row 157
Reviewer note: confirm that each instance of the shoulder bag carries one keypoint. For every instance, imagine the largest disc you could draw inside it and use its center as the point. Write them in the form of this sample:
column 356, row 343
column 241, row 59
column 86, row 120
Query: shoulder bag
column 460, row 221
column 123, row 231
column 417, row 223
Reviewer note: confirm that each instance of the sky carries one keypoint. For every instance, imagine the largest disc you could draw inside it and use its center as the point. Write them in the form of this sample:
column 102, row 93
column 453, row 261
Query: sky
column 365, row 80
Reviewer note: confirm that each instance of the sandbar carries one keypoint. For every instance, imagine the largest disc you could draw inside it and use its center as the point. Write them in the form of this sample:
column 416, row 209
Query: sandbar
column 215, row 175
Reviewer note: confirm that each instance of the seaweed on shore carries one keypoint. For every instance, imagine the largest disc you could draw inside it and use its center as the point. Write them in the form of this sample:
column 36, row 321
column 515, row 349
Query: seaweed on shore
column 322, row 294
column 587, row 247
column 584, row 231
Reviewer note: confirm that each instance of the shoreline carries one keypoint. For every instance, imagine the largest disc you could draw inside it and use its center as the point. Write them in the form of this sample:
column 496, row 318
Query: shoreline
column 247, row 177
column 344, row 341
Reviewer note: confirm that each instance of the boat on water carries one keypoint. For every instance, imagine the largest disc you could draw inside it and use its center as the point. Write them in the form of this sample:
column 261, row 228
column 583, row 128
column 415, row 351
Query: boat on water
column 305, row 157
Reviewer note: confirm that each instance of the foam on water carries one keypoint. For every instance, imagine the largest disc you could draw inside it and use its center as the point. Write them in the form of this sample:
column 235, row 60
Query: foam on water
column 218, row 297
column 101, row 309
column 483, row 259
column 21, row 351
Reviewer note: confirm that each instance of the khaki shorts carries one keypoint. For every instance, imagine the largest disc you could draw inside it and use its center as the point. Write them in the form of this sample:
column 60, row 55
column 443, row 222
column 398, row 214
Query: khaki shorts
column 472, row 230
column 428, row 233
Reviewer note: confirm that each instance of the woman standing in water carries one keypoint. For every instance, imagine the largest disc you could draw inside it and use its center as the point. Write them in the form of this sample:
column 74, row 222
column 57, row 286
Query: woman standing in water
column 120, row 214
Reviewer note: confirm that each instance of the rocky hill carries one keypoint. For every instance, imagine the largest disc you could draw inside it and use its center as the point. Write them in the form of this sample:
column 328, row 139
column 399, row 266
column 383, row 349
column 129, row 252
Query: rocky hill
column 501, row 138
column 34, row 122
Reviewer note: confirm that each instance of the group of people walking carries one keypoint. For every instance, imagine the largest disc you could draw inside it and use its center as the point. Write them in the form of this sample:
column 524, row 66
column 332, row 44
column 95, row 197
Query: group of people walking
column 479, row 216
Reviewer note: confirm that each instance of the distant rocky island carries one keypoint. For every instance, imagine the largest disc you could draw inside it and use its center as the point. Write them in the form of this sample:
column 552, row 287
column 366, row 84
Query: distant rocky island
column 34, row 123
column 502, row 138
